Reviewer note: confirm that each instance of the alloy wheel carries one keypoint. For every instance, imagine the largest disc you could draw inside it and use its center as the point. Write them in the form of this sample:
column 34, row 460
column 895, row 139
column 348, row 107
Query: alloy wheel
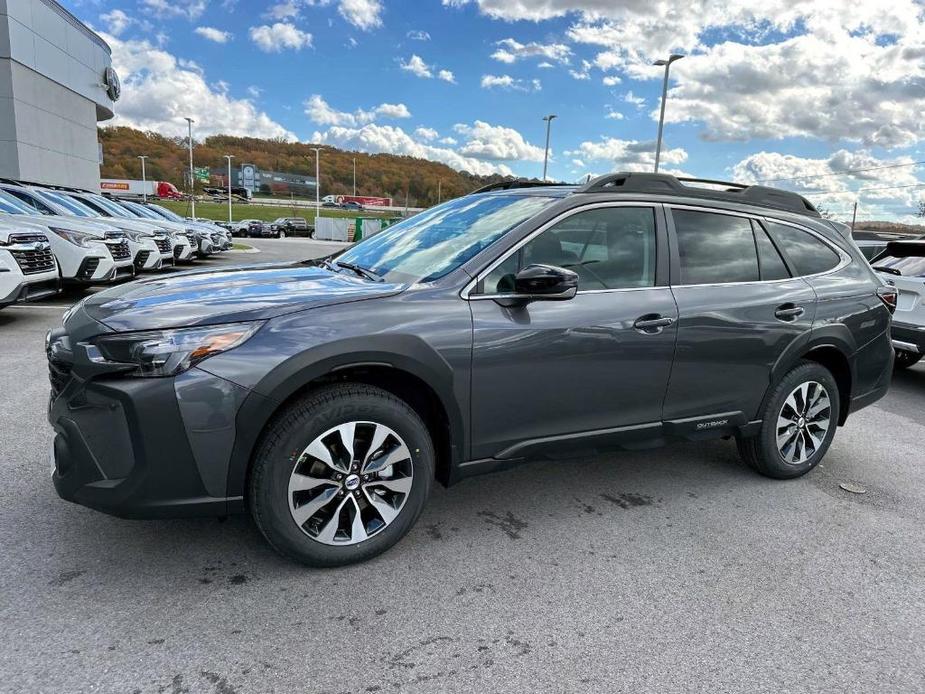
column 803, row 422
column 350, row 483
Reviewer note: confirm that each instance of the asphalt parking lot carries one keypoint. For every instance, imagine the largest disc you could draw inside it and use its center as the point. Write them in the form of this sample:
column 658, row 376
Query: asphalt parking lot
column 668, row 570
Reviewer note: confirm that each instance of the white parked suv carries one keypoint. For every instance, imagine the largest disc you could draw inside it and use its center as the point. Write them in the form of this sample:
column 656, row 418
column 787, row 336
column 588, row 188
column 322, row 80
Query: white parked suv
column 146, row 254
column 28, row 270
column 86, row 252
column 207, row 240
column 902, row 265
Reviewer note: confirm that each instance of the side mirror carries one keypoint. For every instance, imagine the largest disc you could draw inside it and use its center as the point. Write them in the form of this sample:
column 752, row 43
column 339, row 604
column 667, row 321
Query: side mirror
column 545, row 283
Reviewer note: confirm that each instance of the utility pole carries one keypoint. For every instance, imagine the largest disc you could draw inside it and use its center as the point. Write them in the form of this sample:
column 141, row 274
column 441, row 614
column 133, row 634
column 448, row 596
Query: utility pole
column 661, row 118
column 439, row 191
column 144, row 179
column 354, row 177
column 854, row 215
column 229, row 157
column 548, row 120
column 192, row 179
column 317, row 151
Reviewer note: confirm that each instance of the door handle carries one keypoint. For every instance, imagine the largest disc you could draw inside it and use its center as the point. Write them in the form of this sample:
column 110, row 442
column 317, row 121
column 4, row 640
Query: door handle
column 789, row 312
column 652, row 324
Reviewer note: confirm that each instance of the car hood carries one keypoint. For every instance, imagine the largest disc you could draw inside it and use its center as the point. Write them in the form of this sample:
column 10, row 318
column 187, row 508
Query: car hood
column 98, row 228
column 206, row 297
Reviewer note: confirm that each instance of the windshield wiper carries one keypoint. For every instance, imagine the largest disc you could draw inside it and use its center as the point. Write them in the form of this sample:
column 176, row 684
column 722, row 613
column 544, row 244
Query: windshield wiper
column 361, row 271
column 890, row 270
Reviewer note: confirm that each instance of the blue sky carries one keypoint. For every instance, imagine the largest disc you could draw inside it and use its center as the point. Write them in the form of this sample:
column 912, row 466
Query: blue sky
column 805, row 91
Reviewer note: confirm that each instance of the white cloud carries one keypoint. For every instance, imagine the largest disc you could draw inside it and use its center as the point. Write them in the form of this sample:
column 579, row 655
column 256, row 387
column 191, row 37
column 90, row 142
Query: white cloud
column 578, row 163
column 426, row 133
column 159, row 92
column 418, row 35
column 280, row 36
column 416, row 66
column 496, row 142
column 363, row 14
column 446, row 76
column 450, row 141
column 213, row 34
column 283, row 10
column 323, row 113
column 189, row 9
column 254, row 91
column 116, row 21
column 627, row 155
column 508, row 82
column 613, row 115
column 582, row 74
column 637, row 101
column 393, row 140
column 611, row 80
column 511, row 51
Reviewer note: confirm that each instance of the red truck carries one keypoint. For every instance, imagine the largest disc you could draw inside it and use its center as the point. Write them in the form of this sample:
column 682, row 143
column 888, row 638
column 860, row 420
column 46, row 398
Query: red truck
column 137, row 189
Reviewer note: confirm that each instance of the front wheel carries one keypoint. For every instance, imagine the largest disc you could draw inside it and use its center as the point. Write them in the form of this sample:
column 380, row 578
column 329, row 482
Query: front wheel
column 281, row 234
column 798, row 423
column 341, row 475
column 905, row 359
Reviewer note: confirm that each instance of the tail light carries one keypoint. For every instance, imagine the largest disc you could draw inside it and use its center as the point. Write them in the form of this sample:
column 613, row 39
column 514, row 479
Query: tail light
column 889, row 296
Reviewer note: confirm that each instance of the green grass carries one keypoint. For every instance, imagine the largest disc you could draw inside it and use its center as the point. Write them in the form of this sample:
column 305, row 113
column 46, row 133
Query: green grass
column 266, row 213
column 238, row 246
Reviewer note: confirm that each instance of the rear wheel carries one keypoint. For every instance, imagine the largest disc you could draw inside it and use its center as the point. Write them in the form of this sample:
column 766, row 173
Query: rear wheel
column 798, row 424
column 905, row 359
column 341, row 475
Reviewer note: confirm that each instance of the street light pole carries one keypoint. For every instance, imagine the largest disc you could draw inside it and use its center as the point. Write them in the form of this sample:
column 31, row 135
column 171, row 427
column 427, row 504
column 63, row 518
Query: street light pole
column 548, row 120
column 317, row 151
column 354, row 177
column 229, row 157
column 144, row 178
column 192, row 180
column 661, row 118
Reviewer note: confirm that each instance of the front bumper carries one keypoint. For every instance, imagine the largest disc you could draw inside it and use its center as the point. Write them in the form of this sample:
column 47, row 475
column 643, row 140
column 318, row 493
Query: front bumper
column 908, row 337
column 142, row 447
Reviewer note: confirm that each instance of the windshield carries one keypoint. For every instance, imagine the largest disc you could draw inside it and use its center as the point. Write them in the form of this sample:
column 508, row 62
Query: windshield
column 12, row 205
column 908, row 266
column 108, row 207
column 167, row 214
column 69, row 204
column 439, row 240
column 140, row 210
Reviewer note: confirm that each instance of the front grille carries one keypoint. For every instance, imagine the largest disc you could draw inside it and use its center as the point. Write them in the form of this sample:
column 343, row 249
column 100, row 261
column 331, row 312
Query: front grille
column 120, row 251
column 163, row 244
column 59, row 373
column 141, row 258
column 28, row 238
column 87, row 268
column 35, row 260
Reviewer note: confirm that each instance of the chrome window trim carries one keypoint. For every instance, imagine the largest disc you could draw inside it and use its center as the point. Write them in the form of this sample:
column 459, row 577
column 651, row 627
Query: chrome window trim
column 466, row 292
column 844, row 258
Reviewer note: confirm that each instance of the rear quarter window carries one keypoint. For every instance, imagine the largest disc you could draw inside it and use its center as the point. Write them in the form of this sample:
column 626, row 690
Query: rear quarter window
column 807, row 254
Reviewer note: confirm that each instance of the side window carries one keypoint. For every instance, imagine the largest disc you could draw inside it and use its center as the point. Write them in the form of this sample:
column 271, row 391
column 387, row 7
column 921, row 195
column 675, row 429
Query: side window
column 806, row 253
column 772, row 265
column 609, row 248
column 715, row 248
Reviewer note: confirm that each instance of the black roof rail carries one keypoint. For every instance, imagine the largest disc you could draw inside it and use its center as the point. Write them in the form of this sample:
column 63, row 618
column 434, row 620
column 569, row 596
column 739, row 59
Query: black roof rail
column 665, row 184
column 516, row 183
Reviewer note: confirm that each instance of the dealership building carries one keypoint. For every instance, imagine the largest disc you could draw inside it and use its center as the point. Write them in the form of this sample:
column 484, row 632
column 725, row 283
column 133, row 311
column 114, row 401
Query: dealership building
column 56, row 84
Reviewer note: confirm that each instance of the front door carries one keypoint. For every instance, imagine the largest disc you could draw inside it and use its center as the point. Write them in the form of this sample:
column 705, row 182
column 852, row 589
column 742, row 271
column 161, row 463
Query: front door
column 566, row 374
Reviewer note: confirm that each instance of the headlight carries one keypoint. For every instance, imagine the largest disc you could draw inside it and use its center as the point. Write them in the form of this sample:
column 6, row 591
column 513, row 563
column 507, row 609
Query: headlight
column 168, row 352
column 78, row 238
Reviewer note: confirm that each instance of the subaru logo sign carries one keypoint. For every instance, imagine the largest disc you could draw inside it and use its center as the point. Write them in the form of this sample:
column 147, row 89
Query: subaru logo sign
column 112, row 84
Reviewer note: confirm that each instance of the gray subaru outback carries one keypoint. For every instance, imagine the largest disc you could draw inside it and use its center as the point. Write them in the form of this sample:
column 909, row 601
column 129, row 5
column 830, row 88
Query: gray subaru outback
column 326, row 396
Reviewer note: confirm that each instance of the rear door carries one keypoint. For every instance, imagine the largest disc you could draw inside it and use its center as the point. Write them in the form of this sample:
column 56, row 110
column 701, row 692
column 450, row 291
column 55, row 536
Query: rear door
column 739, row 308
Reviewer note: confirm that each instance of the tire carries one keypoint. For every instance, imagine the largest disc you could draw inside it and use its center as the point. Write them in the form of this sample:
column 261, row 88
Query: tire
column 810, row 443
column 284, row 481
column 281, row 234
column 905, row 359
